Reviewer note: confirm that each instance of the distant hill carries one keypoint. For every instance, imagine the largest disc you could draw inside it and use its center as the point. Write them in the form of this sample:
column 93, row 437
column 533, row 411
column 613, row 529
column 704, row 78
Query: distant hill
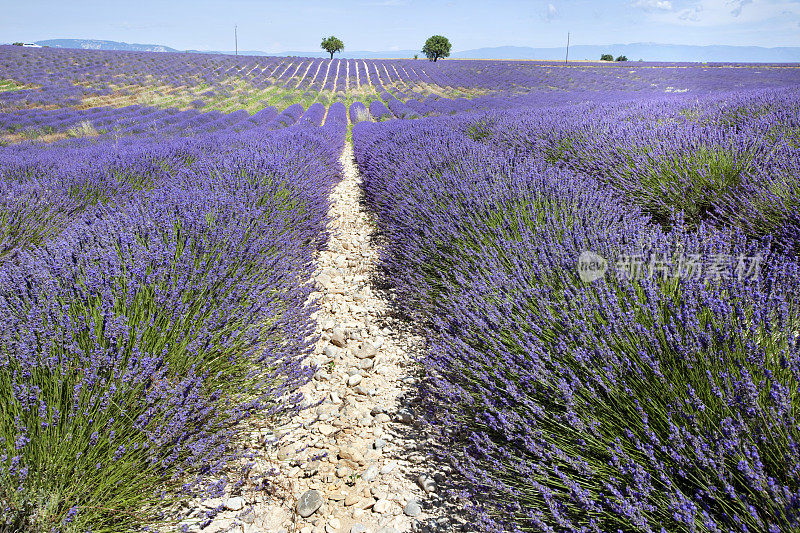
column 94, row 44
column 634, row 51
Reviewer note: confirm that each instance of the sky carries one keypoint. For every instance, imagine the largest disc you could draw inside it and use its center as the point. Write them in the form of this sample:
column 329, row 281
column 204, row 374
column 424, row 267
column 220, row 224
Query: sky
column 381, row 25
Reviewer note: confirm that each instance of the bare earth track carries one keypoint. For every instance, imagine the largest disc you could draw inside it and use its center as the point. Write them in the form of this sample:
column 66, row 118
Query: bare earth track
column 359, row 459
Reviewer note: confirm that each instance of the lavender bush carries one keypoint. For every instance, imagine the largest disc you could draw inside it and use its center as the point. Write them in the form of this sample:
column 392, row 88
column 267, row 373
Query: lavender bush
column 707, row 160
column 379, row 111
column 152, row 297
column 645, row 402
column 358, row 112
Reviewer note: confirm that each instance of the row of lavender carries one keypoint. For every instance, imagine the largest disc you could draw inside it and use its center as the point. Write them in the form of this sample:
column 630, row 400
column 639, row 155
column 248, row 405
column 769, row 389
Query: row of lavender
column 516, row 84
column 390, row 107
column 701, row 77
column 412, row 106
column 662, row 395
column 153, row 295
column 131, row 122
column 67, row 77
column 138, row 120
column 728, row 160
column 99, row 68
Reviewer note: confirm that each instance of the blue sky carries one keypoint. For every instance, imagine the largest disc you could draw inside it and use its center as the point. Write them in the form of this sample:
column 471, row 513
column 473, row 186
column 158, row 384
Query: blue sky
column 278, row 25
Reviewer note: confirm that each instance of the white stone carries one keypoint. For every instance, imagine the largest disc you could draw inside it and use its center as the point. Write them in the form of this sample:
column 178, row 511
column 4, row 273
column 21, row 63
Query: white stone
column 331, row 351
column 426, row 483
column 412, row 509
column 370, row 473
column 381, row 506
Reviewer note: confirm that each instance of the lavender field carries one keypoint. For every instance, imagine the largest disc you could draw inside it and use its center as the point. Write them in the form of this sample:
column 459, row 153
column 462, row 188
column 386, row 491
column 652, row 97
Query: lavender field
column 162, row 220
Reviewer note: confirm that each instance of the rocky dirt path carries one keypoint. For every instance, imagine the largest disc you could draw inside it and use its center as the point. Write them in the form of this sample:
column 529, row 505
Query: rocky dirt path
column 358, row 460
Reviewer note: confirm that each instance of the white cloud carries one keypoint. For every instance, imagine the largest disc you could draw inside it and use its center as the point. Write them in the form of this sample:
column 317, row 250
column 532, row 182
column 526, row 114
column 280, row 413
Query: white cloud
column 551, row 13
column 653, row 5
column 719, row 13
column 737, row 6
column 690, row 14
column 386, row 3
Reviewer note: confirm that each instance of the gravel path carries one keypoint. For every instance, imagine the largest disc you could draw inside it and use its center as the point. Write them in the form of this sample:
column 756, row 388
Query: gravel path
column 358, row 460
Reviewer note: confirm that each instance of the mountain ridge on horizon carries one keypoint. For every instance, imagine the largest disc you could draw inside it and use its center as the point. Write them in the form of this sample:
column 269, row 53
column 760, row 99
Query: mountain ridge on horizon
column 633, row 51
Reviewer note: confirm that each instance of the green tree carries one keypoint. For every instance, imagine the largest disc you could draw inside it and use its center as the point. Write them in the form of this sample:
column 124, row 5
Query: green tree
column 436, row 47
column 606, row 57
column 622, row 58
column 332, row 45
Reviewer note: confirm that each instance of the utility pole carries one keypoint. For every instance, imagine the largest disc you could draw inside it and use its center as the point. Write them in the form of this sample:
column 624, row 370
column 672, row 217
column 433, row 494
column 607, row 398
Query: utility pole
column 236, row 38
column 566, row 59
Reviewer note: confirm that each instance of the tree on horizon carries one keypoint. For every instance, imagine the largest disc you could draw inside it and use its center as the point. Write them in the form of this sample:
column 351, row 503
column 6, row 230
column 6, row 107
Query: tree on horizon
column 332, row 45
column 436, row 47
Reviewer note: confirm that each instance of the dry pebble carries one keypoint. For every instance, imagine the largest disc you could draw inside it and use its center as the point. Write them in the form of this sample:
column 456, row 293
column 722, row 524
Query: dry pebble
column 412, row 509
column 381, row 506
